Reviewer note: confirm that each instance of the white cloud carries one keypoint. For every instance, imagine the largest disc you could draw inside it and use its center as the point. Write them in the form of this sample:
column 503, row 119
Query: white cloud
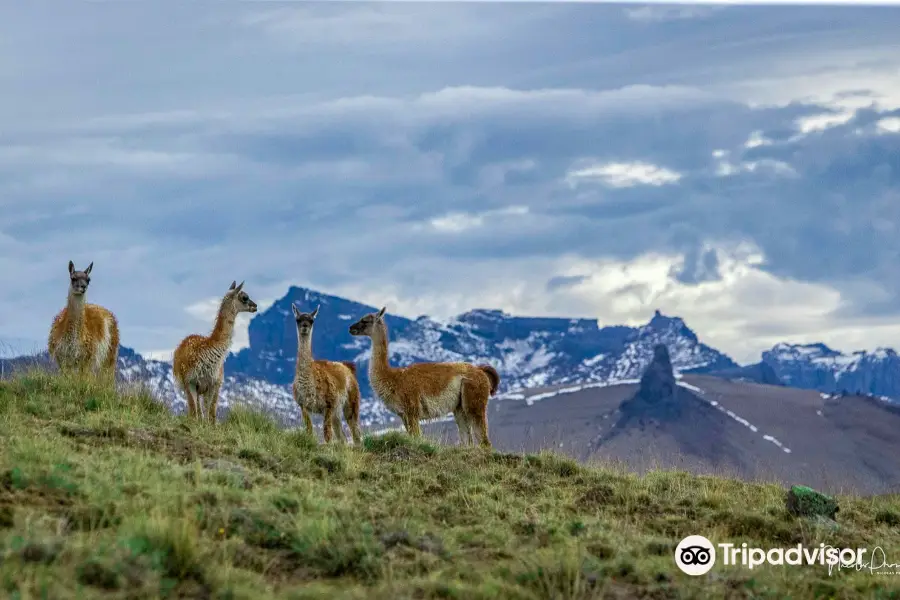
column 94, row 152
column 375, row 23
column 657, row 13
column 778, row 167
column 744, row 312
column 889, row 125
column 458, row 221
column 726, row 168
column 455, row 222
column 497, row 101
column 205, row 311
column 622, row 174
column 160, row 355
column 719, row 307
column 825, row 79
column 757, row 139
column 451, row 102
column 823, row 121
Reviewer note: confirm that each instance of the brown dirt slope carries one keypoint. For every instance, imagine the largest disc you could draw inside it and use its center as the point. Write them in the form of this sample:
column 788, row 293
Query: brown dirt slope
column 843, row 445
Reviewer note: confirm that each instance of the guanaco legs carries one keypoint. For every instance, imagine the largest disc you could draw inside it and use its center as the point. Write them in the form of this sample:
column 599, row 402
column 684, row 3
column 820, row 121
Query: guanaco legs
column 429, row 390
column 324, row 387
column 84, row 337
column 199, row 360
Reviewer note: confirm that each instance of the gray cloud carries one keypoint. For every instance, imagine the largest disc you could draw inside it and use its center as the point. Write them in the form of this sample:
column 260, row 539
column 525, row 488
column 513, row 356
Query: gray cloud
column 562, row 281
column 206, row 160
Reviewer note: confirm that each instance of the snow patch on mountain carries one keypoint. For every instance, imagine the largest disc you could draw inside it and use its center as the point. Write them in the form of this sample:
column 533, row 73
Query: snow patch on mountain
column 529, row 400
column 702, row 395
column 818, row 367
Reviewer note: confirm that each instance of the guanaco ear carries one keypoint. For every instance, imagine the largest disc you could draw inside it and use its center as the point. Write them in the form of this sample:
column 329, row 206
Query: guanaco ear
column 296, row 312
column 233, row 283
column 315, row 312
column 88, row 270
column 71, row 267
column 238, row 288
column 381, row 312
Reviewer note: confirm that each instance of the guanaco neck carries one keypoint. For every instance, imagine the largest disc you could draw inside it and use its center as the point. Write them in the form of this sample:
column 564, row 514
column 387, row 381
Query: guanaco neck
column 223, row 332
column 379, row 367
column 75, row 309
column 304, row 355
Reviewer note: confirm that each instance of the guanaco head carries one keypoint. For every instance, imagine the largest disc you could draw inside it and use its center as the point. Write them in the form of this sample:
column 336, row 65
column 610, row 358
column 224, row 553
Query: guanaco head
column 79, row 280
column 240, row 301
column 304, row 320
column 366, row 325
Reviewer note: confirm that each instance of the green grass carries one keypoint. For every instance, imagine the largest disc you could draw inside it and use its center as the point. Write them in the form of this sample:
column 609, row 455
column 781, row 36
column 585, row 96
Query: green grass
column 109, row 496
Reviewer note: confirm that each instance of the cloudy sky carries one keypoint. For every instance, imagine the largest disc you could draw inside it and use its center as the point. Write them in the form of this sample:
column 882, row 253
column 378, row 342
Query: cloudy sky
column 739, row 167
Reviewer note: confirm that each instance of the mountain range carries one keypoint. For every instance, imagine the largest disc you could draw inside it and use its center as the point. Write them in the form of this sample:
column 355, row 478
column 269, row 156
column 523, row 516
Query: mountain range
column 529, row 353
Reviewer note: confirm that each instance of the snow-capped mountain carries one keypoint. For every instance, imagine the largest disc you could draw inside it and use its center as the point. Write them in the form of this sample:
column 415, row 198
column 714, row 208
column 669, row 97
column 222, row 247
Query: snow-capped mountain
column 818, row 367
column 527, row 351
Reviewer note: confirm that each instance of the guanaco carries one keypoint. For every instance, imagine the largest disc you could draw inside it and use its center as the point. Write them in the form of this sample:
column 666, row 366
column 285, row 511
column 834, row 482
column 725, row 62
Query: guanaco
column 324, row 387
column 429, row 390
column 199, row 360
column 84, row 337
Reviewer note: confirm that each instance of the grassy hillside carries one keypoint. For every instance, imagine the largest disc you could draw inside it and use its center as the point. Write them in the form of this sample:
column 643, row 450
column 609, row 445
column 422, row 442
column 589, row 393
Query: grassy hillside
column 108, row 496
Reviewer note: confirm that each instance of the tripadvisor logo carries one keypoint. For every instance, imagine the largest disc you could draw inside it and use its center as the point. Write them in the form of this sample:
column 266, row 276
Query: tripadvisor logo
column 695, row 555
